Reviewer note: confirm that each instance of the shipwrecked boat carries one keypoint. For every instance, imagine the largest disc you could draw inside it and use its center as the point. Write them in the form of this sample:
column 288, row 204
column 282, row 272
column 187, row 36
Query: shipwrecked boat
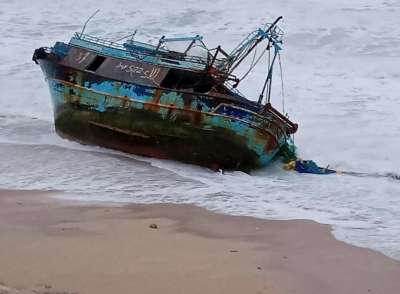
column 147, row 100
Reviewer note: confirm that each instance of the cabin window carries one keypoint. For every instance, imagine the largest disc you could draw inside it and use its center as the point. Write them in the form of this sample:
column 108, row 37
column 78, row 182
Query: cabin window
column 187, row 80
column 172, row 79
column 170, row 61
column 95, row 64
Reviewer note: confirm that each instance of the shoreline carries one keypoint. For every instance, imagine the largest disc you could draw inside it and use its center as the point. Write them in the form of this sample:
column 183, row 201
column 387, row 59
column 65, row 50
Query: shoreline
column 51, row 245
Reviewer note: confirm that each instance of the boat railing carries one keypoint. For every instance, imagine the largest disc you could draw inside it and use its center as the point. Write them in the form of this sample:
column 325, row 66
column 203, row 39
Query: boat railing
column 98, row 40
column 139, row 53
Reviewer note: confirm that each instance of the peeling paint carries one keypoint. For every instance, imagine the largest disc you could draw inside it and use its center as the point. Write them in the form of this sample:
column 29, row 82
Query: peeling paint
column 201, row 128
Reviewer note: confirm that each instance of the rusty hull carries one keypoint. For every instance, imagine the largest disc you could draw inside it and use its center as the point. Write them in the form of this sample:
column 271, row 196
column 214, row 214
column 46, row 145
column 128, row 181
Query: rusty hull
column 136, row 115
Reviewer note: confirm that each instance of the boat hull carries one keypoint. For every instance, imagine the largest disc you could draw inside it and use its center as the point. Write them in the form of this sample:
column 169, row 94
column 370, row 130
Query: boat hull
column 214, row 149
column 158, row 123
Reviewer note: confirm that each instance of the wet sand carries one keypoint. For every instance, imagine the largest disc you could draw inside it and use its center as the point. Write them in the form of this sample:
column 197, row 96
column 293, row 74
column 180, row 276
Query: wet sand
column 55, row 246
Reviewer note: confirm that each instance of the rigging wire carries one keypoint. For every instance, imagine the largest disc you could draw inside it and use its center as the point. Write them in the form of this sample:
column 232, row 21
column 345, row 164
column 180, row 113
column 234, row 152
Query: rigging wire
column 282, row 86
column 269, row 65
column 252, row 65
column 261, row 97
column 254, row 57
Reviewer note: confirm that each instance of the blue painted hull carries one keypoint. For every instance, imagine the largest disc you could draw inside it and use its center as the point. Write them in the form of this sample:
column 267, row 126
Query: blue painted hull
column 149, row 120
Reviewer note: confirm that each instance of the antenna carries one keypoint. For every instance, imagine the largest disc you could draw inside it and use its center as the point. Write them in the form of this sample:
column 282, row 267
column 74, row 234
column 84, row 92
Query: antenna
column 84, row 26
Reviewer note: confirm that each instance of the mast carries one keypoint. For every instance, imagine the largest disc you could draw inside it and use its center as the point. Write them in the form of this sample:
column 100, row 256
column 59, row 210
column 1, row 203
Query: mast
column 268, row 80
column 250, row 43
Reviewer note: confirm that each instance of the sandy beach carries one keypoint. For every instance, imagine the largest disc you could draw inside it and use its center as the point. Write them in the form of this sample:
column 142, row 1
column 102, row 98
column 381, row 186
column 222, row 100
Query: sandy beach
column 55, row 246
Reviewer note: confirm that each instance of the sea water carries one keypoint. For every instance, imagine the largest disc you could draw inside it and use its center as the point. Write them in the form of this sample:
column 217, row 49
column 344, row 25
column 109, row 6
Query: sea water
column 340, row 64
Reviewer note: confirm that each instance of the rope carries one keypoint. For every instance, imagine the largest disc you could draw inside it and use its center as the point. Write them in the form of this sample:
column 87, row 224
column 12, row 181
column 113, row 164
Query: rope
column 392, row 176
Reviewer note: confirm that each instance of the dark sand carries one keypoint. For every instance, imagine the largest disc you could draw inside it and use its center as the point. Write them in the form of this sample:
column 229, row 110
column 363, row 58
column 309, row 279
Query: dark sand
column 52, row 246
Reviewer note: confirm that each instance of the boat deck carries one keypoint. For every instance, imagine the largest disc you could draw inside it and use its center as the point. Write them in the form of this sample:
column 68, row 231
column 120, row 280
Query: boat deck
column 139, row 51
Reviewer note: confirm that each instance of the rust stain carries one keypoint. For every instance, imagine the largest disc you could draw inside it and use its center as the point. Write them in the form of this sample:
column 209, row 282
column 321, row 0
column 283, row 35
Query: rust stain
column 148, row 105
column 125, row 103
column 194, row 117
column 271, row 145
column 155, row 105
column 271, row 142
